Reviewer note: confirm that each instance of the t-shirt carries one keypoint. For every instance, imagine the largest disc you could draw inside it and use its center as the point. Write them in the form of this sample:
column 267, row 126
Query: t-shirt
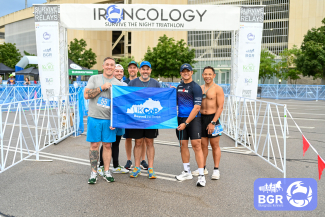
column 138, row 83
column 188, row 95
column 127, row 80
column 96, row 111
column 11, row 81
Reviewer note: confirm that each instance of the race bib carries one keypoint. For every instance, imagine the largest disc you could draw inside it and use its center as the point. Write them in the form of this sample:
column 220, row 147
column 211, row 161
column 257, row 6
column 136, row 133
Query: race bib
column 217, row 130
column 104, row 102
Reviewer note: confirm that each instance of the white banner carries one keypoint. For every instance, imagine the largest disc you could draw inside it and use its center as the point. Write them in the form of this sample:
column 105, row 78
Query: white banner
column 149, row 17
column 249, row 51
column 47, row 37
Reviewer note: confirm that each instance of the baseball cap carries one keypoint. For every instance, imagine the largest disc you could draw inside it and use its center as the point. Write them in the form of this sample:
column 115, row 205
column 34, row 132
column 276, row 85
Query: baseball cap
column 186, row 66
column 145, row 63
column 133, row 62
column 11, row 75
column 119, row 66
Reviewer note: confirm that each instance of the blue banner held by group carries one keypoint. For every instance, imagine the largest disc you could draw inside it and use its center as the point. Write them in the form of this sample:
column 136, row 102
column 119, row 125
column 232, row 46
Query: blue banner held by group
column 144, row 108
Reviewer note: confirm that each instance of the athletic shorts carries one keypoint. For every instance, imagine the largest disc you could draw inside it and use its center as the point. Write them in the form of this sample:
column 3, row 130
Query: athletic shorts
column 98, row 130
column 127, row 134
column 120, row 131
column 192, row 130
column 143, row 133
column 205, row 121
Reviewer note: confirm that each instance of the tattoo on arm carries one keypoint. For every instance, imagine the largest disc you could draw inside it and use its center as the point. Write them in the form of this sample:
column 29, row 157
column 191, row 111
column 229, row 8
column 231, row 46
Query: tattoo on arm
column 93, row 157
column 92, row 93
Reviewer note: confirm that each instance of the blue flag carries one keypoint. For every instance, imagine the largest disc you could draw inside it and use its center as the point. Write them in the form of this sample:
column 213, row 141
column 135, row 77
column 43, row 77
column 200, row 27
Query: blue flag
column 144, row 108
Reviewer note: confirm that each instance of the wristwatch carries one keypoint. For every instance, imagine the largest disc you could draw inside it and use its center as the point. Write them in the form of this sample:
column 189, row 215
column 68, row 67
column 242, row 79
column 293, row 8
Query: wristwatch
column 213, row 123
column 186, row 124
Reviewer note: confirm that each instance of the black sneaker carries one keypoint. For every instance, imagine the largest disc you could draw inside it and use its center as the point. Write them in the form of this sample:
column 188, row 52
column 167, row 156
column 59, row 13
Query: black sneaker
column 128, row 165
column 144, row 165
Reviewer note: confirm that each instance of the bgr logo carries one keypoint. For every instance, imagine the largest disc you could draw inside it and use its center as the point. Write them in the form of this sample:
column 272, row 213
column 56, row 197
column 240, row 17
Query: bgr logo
column 47, row 52
column 46, row 36
column 49, row 80
column 114, row 14
column 250, row 37
column 285, row 194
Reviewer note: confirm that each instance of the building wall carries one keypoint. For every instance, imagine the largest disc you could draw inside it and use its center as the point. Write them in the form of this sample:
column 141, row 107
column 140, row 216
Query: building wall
column 142, row 39
column 99, row 41
column 303, row 16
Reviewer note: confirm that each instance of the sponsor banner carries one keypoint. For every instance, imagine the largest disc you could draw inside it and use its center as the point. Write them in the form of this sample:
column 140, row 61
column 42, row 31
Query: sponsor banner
column 83, row 72
column 47, row 13
column 150, row 17
column 297, row 194
column 144, row 108
column 249, row 50
column 47, row 37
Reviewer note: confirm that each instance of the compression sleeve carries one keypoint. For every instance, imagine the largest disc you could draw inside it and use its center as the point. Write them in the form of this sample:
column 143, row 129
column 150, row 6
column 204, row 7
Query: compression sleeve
column 197, row 93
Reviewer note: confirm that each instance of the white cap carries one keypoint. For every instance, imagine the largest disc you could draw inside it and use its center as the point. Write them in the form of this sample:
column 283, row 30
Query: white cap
column 118, row 66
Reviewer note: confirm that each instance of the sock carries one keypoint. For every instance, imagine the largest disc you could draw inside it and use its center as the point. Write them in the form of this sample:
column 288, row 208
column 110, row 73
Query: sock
column 216, row 168
column 201, row 171
column 204, row 167
column 187, row 167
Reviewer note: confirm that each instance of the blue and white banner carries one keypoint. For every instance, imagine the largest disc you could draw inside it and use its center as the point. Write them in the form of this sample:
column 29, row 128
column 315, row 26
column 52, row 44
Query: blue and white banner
column 144, row 108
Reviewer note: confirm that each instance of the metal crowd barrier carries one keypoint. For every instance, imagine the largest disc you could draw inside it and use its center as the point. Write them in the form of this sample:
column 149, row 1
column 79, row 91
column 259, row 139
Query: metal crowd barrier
column 28, row 127
column 259, row 126
column 293, row 91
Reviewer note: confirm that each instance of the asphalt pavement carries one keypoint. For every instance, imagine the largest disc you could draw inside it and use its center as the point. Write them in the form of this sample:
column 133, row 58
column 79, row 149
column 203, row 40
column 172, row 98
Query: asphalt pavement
column 60, row 188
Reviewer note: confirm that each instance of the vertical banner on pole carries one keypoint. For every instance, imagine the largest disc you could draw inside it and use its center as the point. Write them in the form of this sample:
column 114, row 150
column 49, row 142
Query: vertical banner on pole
column 47, row 20
column 249, row 51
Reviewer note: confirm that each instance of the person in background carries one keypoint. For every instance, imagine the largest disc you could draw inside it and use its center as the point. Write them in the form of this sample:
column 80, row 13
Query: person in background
column 0, row 80
column 11, row 80
column 27, row 82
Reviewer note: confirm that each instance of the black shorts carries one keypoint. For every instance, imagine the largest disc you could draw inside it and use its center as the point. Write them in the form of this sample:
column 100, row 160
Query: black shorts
column 192, row 130
column 143, row 133
column 127, row 134
column 205, row 121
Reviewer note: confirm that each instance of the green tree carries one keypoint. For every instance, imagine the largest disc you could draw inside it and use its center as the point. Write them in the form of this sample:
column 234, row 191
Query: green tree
column 168, row 56
column 80, row 55
column 286, row 67
column 124, row 61
column 30, row 65
column 311, row 61
column 267, row 65
column 9, row 54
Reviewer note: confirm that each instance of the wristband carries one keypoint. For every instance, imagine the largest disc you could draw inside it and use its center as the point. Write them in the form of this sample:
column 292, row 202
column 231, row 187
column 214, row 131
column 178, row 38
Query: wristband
column 100, row 89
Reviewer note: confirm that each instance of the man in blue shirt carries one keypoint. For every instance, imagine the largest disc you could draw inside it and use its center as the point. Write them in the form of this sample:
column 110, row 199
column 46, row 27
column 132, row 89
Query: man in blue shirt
column 189, row 98
column 141, row 135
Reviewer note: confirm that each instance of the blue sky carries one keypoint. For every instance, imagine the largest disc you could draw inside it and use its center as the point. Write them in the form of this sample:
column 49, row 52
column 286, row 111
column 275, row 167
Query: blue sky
column 9, row 6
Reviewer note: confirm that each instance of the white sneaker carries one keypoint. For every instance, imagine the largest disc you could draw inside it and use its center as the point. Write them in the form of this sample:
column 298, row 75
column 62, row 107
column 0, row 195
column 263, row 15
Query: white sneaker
column 201, row 181
column 100, row 170
column 216, row 174
column 196, row 172
column 120, row 169
column 184, row 176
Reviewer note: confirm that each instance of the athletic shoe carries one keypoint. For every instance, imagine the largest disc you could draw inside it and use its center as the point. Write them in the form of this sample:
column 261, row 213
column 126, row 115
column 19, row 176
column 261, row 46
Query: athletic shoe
column 108, row 177
column 136, row 171
column 196, row 172
column 93, row 178
column 100, row 170
column 184, row 176
column 120, row 169
column 215, row 175
column 200, row 181
column 128, row 165
column 152, row 174
column 144, row 165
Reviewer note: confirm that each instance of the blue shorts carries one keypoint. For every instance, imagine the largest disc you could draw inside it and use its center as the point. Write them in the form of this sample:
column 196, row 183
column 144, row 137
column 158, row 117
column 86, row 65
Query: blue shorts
column 98, row 130
column 120, row 131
